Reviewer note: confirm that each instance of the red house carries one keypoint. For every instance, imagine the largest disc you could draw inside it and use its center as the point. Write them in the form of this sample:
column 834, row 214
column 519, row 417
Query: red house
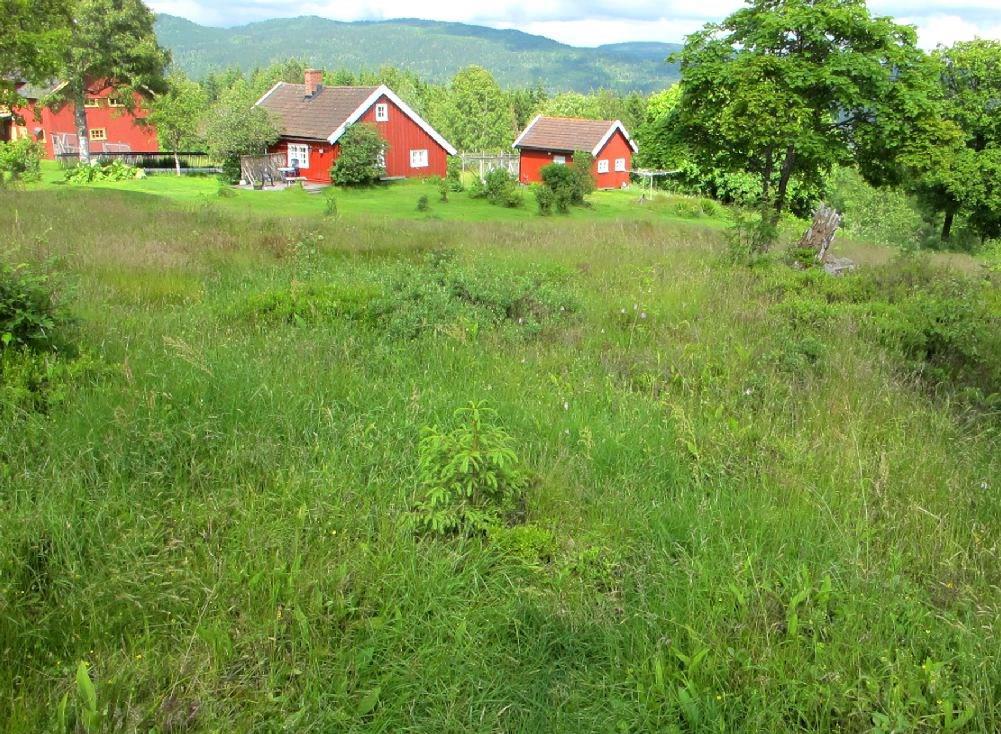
column 111, row 126
column 313, row 117
column 549, row 140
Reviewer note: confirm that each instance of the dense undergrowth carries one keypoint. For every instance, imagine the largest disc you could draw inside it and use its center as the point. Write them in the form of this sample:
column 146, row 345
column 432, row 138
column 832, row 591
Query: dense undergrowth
column 709, row 497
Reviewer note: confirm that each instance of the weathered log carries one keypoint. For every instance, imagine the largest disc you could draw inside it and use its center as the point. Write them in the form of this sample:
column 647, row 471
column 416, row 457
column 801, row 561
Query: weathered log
column 821, row 234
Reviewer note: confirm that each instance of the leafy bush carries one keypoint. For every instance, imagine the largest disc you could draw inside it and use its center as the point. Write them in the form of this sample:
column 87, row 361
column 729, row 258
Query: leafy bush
column 114, row 171
column 886, row 216
column 361, row 156
column 230, row 170
column 545, row 198
column 453, row 175
column 443, row 189
column 470, row 476
column 423, row 204
column 570, row 184
column 20, row 160
column 582, row 169
column 30, row 313
column 501, row 189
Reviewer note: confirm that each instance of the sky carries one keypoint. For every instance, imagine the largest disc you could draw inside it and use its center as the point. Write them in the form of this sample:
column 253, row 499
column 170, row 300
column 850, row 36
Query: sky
column 586, row 22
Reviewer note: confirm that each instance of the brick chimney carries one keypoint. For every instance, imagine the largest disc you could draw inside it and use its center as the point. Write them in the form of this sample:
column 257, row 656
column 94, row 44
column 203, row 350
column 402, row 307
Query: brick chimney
column 314, row 81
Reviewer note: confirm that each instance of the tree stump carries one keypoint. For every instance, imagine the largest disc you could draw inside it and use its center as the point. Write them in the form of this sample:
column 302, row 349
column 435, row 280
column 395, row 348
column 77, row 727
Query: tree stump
column 821, row 234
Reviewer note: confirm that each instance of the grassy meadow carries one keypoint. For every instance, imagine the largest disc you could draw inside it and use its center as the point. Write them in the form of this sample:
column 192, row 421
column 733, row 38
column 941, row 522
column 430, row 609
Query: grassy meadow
column 758, row 501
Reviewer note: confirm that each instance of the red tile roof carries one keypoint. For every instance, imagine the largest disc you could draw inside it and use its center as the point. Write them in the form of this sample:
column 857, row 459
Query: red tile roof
column 567, row 134
column 316, row 117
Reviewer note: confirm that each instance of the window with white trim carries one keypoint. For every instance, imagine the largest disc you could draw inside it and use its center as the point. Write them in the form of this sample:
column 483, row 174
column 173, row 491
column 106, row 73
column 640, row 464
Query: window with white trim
column 602, row 166
column 382, row 112
column 620, row 164
column 560, row 160
column 298, row 155
column 418, row 159
column 98, row 133
column 91, row 102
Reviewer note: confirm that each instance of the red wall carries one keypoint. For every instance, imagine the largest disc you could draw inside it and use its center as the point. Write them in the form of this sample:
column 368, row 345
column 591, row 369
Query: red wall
column 121, row 125
column 401, row 134
column 533, row 161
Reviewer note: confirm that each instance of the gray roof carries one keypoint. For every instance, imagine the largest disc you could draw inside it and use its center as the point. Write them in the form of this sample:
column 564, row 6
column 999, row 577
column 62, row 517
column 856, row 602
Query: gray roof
column 38, row 91
column 316, row 117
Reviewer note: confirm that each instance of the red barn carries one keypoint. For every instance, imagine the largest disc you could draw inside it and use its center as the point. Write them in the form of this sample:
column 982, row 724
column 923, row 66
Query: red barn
column 549, row 140
column 112, row 127
column 313, row 117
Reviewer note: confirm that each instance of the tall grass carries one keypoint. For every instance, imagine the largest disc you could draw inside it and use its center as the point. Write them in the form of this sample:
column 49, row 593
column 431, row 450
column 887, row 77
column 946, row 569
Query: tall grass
column 740, row 525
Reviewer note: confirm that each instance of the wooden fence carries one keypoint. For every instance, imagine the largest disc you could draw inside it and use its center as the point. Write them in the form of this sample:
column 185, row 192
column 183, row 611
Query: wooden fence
column 262, row 168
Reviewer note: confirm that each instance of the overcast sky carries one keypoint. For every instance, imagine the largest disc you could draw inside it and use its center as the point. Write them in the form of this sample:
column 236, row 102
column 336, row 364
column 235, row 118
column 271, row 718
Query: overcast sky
column 586, row 22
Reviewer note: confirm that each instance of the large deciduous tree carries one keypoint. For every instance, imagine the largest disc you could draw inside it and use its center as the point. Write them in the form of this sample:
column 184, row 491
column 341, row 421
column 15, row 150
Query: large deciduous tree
column 479, row 116
column 33, row 34
column 235, row 126
column 788, row 88
column 177, row 114
column 112, row 42
column 966, row 176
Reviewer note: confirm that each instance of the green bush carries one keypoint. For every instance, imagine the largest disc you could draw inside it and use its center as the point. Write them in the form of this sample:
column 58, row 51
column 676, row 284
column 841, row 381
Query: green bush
column 231, row 172
column 114, row 171
column 20, row 160
column 443, row 189
column 423, row 204
column 453, row 175
column 501, row 189
column 545, row 198
column 471, row 477
column 361, row 156
column 30, row 313
column 330, row 203
column 570, row 184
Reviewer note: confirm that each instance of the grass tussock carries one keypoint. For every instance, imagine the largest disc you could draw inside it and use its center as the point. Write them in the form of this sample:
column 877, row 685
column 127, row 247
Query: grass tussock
column 720, row 498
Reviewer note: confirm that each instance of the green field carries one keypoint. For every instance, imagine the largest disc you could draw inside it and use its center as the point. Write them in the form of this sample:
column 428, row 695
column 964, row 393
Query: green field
column 759, row 499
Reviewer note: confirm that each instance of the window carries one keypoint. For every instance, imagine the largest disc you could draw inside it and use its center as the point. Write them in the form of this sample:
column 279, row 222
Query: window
column 560, row 160
column 602, row 166
column 298, row 155
column 92, row 102
column 382, row 112
column 620, row 164
column 98, row 133
column 114, row 103
column 418, row 159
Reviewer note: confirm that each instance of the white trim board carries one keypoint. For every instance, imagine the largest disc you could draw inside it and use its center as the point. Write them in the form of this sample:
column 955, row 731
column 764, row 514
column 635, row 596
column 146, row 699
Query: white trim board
column 617, row 125
column 384, row 91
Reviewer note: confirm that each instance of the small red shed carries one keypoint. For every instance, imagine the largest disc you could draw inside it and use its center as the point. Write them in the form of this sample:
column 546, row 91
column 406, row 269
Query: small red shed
column 313, row 117
column 549, row 140
column 111, row 126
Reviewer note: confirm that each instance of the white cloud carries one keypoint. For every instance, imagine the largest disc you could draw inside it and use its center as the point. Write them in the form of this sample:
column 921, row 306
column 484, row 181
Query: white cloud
column 588, row 22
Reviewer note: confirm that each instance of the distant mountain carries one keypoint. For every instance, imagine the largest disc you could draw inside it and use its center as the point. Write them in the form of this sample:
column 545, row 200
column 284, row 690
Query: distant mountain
column 435, row 50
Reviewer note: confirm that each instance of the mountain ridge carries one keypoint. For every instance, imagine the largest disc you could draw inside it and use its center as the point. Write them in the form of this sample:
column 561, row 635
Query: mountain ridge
column 435, row 50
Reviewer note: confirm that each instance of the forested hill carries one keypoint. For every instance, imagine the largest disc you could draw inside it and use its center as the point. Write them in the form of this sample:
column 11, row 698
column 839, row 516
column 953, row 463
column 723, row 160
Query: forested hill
column 434, row 50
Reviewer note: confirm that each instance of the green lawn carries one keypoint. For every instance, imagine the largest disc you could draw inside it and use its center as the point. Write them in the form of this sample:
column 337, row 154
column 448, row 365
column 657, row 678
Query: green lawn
column 396, row 200
column 758, row 499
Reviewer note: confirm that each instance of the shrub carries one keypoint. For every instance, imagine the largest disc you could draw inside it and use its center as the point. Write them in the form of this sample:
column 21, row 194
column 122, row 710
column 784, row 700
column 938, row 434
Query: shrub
column 476, row 189
column 231, row 172
column 545, row 198
column 20, row 160
column 454, row 173
column 114, row 171
column 30, row 313
column 422, row 203
column 470, row 476
column 443, row 189
column 560, row 181
column 501, row 189
column 360, row 161
column 582, row 169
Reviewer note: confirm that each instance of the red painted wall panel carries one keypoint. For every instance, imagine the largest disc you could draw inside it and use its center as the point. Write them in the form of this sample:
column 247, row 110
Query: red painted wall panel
column 401, row 135
column 119, row 124
column 533, row 161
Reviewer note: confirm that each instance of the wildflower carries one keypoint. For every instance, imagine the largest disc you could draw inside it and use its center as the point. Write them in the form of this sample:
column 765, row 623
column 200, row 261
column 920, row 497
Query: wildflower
column 566, row 405
column 748, row 391
column 622, row 311
column 642, row 314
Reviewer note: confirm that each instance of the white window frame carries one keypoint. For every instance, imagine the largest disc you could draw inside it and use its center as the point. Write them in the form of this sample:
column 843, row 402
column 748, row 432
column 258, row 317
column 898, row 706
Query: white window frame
column 419, row 158
column 603, row 166
column 620, row 165
column 560, row 160
column 382, row 112
column 97, row 134
column 299, row 152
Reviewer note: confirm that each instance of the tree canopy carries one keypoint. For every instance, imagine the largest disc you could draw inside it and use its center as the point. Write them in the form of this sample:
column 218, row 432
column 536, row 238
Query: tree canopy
column 111, row 41
column 479, row 117
column 789, row 88
column 177, row 113
column 32, row 36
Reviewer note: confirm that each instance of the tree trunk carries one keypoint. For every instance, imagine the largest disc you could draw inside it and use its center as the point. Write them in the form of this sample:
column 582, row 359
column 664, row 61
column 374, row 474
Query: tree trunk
column 787, row 166
column 82, row 131
column 177, row 162
column 950, row 217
